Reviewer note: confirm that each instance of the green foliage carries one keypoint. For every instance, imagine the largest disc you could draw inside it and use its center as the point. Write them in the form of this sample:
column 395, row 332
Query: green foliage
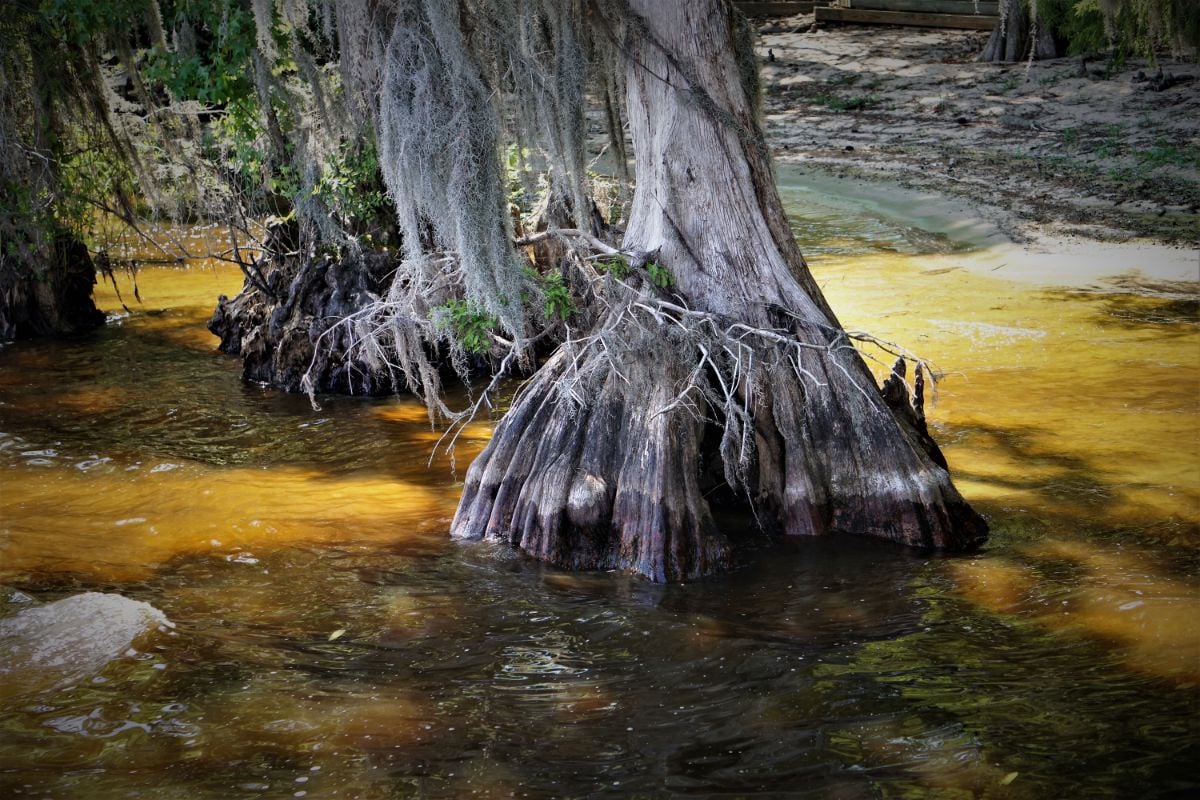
column 88, row 178
column 1111, row 146
column 1079, row 23
column 351, row 185
column 1135, row 27
column 1164, row 154
column 558, row 300
column 616, row 266
column 260, row 108
column 1123, row 174
column 78, row 23
column 519, row 174
column 470, row 324
column 61, row 156
column 219, row 72
column 843, row 79
column 660, row 276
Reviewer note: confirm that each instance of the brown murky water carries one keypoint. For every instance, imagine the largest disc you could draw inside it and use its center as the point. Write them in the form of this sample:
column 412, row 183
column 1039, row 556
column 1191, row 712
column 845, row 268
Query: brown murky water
column 331, row 642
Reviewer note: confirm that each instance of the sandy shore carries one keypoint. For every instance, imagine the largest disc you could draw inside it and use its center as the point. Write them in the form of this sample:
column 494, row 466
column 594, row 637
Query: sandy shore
column 1037, row 256
column 1053, row 154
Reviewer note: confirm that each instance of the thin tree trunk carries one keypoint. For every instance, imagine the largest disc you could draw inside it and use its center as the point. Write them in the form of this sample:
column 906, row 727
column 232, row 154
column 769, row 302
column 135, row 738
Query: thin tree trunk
column 611, row 470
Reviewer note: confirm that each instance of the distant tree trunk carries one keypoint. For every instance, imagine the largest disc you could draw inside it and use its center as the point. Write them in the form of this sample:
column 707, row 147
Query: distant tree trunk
column 48, row 299
column 610, row 470
column 46, row 271
column 1011, row 38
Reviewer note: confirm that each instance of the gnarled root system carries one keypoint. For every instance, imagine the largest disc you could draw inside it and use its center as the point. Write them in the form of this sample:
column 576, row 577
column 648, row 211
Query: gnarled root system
column 612, row 453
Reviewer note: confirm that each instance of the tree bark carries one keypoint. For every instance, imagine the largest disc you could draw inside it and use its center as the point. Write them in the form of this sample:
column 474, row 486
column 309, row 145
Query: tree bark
column 600, row 464
column 1010, row 39
column 279, row 323
column 49, row 299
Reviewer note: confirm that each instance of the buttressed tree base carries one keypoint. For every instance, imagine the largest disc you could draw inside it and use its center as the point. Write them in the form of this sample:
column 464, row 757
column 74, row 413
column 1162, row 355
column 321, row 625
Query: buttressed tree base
column 729, row 378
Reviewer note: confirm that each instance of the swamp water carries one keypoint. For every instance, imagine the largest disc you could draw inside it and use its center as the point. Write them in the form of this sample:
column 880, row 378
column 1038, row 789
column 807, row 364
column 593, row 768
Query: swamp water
column 330, row 641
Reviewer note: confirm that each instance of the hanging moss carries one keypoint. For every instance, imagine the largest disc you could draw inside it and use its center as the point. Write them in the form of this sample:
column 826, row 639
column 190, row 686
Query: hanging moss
column 1126, row 28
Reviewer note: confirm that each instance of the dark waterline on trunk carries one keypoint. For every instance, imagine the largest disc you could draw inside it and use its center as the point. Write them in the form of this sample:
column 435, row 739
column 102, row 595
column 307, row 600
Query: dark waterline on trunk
column 137, row 462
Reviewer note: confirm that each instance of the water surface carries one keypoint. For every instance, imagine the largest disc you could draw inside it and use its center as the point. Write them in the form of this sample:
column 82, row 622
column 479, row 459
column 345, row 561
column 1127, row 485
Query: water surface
column 331, row 641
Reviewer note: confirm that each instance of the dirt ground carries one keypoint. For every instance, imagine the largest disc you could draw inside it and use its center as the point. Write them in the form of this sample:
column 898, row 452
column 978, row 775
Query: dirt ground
column 1057, row 148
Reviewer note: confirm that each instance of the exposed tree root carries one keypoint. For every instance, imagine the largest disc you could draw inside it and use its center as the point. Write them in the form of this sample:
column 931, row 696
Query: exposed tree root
column 280, row 323
column 605, row 483
column 612, row 451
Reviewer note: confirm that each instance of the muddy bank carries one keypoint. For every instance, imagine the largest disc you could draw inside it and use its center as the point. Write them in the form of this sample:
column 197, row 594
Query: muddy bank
column 1052, row 148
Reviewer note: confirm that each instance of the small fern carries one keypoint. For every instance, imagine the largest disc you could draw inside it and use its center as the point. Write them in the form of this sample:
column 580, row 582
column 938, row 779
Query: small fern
column 660, row 276
column 616, row 266
column 471, row 326
column 559, row 302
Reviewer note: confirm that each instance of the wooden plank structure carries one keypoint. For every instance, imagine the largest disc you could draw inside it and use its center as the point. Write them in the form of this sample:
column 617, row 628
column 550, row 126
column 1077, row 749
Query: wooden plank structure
column 777, row 9
column 966, row 14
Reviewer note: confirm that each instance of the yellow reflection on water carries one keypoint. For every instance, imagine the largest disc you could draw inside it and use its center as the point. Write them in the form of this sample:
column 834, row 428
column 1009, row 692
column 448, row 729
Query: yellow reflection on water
column 1066, row 409
column 121, row 522
column 190, row 288
column 1049, row 401
column 114, row 527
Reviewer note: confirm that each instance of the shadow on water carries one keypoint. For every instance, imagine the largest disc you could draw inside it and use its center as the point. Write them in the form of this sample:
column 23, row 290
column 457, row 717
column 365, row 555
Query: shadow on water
column 1079, row 558
column 1068, row 491
column 146, row 389
column 1166, row 308
column 1056, row 477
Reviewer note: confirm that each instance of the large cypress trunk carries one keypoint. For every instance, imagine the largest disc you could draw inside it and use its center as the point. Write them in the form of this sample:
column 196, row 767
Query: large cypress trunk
column 601, row 463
